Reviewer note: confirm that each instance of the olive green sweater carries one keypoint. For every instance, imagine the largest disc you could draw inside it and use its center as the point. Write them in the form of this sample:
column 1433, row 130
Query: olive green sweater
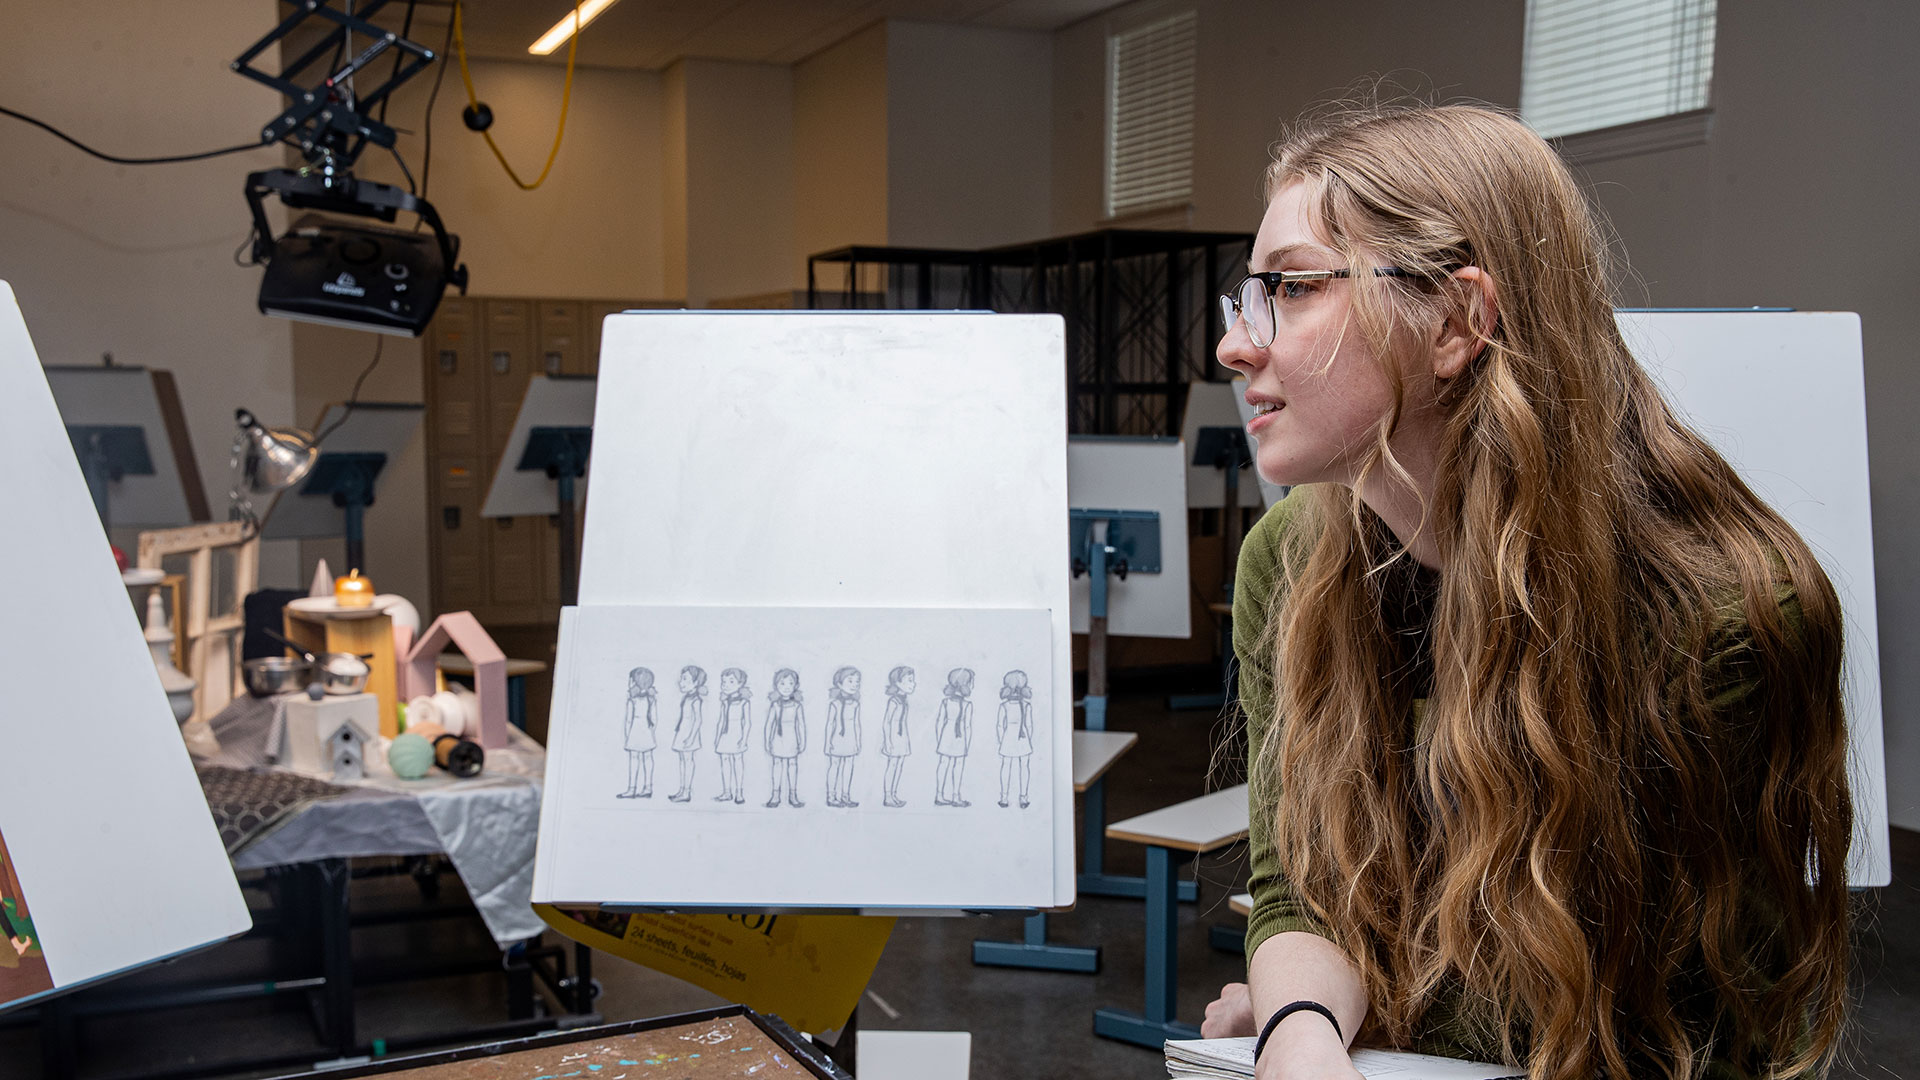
column 1452, row 1026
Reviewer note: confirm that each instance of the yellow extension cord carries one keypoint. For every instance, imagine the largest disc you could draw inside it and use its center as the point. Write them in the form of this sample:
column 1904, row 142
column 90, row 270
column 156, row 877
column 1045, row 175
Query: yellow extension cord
column 566, row 97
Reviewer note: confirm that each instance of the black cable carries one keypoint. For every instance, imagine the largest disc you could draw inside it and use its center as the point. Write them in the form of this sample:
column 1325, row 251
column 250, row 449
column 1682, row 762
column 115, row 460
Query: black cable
column 426, row 158
column 57, row 133
column 404, row 171
column 353, row 398
column 406, row 28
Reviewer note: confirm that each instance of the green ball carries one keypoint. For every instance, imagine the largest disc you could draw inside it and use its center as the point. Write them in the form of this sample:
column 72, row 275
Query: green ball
column 410, row 756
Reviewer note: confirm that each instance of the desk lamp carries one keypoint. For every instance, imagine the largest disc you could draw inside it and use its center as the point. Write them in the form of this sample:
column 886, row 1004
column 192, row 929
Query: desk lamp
column 270, row 461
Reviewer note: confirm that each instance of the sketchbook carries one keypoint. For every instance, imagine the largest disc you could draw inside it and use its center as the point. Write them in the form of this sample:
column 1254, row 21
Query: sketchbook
column 100, row 797
column 1231, row 1059
column 823, row 624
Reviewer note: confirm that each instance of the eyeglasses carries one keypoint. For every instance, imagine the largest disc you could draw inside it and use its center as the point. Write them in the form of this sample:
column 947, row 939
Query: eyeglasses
column 1254, row 297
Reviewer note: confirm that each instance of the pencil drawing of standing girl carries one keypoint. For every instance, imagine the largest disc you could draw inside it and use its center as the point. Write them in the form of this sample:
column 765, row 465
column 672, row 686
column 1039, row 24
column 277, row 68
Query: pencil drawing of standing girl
column 843, row 735
column 953, row 737
column 1016, row 735
column 642, row 703
column 686, row 732
column 730, row 734
column 785, row 736
column 894, row 744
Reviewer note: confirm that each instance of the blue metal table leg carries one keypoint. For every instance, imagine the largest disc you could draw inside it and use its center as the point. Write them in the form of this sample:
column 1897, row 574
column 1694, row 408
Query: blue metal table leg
column 1094, row 880
column 1157, row 1023
column 1036, row 952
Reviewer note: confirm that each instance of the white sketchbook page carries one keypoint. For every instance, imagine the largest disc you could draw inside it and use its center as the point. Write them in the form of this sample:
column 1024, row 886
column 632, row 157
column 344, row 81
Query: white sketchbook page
column 609, row 835
column 1137, row 474
column 101, row 810
column 837, row 459
column 1234, row 1057
column 1783, row 396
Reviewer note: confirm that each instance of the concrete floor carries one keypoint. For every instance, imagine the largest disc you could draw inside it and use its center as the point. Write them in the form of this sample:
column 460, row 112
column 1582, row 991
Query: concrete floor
column 1024, row 1024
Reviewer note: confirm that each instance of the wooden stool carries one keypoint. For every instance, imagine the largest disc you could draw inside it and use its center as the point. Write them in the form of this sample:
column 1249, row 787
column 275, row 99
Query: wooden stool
column 1172, row 836
column 1094, row 752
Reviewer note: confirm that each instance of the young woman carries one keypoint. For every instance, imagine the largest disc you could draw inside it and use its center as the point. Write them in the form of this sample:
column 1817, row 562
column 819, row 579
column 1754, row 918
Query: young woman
column 642, row 703
column 730, row 734
column 895, row 745
column 1543, row 703
column 686, row 730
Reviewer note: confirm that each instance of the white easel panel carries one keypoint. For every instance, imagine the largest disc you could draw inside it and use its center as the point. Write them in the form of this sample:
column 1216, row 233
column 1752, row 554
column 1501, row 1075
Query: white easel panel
column 794, row 757
column 1783, row 396
column 837, row 459
column 550, row 401
column 1125, row 473
column 101, row 802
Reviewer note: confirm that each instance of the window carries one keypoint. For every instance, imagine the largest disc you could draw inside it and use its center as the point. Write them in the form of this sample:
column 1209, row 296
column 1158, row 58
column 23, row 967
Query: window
column 1592, row 64
column 1150, row 115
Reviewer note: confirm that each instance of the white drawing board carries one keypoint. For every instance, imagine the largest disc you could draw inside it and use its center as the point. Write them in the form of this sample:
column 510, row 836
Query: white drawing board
column 1270, row 493
column 832, row 460
column 550, row 401
column 1106, row 472
column 96, row 811
column 702, row 741
column 373, row 427
column 1782, row 395
column 1212, row 404
column 131, row 397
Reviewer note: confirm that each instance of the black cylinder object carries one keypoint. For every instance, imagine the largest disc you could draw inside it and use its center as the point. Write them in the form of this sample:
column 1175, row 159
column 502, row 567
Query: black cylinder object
column 461, row 757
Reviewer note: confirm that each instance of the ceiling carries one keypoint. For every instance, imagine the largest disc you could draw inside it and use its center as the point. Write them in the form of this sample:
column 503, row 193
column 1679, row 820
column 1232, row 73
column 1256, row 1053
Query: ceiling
column 651, row 34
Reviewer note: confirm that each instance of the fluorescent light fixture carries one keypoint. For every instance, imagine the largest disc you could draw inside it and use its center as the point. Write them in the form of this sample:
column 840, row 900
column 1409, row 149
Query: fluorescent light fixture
column 565, row 29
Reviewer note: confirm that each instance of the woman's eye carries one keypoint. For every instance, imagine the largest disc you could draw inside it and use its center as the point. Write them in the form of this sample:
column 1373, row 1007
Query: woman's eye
column 1294, row 290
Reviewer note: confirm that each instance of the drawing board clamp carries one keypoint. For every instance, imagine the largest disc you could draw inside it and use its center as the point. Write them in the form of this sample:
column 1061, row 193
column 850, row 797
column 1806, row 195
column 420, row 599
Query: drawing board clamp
column 130, row 437
column 813, row 610
column 67, row 854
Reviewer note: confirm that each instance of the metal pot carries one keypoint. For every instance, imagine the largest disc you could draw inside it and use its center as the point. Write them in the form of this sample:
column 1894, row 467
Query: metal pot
column 270, row 675
column 341, row 673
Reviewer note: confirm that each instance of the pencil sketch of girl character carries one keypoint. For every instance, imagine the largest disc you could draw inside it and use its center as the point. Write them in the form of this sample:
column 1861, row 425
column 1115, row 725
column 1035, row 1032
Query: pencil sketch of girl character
column 1016, row 735
column 843, row 735
column 730, row 734
column 953, row 737
column 894, row 743
column 686, row 731
column 785, row 735
column 642, row 703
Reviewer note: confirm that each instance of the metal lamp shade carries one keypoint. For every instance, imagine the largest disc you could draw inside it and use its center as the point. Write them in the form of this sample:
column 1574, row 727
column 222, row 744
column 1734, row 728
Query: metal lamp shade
column 273, row 459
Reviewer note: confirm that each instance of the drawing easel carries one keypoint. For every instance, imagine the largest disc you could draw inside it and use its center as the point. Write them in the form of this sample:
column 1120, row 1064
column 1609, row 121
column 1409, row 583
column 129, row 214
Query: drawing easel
column 130, row 437
column 1224, row 448
column 333, row 498
column 544, row 463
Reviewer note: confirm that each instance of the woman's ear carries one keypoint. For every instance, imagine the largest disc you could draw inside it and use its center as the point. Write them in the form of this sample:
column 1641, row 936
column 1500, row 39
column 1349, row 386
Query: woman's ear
column 1463, row 334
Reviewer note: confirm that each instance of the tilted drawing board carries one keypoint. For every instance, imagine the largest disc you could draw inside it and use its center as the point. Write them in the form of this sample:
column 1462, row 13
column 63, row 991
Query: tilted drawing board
column 1782, row 395
column 550, row 401
column 136, row 397
column 1114, row 472
column 372, row 427
column 1212, row 404
column 898, row 463
column 105, row 828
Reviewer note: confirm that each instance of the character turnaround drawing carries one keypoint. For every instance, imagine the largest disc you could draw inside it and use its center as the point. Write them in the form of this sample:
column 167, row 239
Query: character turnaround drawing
column 686, row 731
column 895, row 746
column 843, row 735
column 730, row 734
column 953, row 737
column 785, row 736
column 1016, row 735
column 642, row 710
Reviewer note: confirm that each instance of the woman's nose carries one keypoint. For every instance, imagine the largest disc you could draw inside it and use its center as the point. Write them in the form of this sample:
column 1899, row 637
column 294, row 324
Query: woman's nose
column 1237, row 350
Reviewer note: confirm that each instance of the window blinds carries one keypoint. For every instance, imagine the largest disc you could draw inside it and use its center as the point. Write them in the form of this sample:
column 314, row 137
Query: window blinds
column 1150, row 115
column 1592, row 64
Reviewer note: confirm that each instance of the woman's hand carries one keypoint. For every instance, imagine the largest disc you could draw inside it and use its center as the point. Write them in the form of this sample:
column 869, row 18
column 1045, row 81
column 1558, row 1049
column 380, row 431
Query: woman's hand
column 1305, row 1047
column 1230, row 1016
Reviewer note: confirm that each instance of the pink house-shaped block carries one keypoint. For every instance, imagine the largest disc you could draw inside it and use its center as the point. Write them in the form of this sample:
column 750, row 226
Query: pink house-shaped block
column 461, row 630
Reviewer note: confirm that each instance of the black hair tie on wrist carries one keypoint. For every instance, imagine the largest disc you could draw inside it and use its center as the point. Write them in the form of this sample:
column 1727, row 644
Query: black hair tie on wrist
column 1288, row 1010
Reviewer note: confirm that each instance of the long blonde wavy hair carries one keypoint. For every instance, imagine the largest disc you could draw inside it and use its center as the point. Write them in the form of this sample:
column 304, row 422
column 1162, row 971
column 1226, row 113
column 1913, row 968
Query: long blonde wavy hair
column 1595, row 838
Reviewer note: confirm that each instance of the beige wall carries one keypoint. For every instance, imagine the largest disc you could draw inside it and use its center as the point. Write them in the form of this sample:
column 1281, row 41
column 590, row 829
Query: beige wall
column 138, row 261
column 739, row 213
column 969, row 160
column 840, row 147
